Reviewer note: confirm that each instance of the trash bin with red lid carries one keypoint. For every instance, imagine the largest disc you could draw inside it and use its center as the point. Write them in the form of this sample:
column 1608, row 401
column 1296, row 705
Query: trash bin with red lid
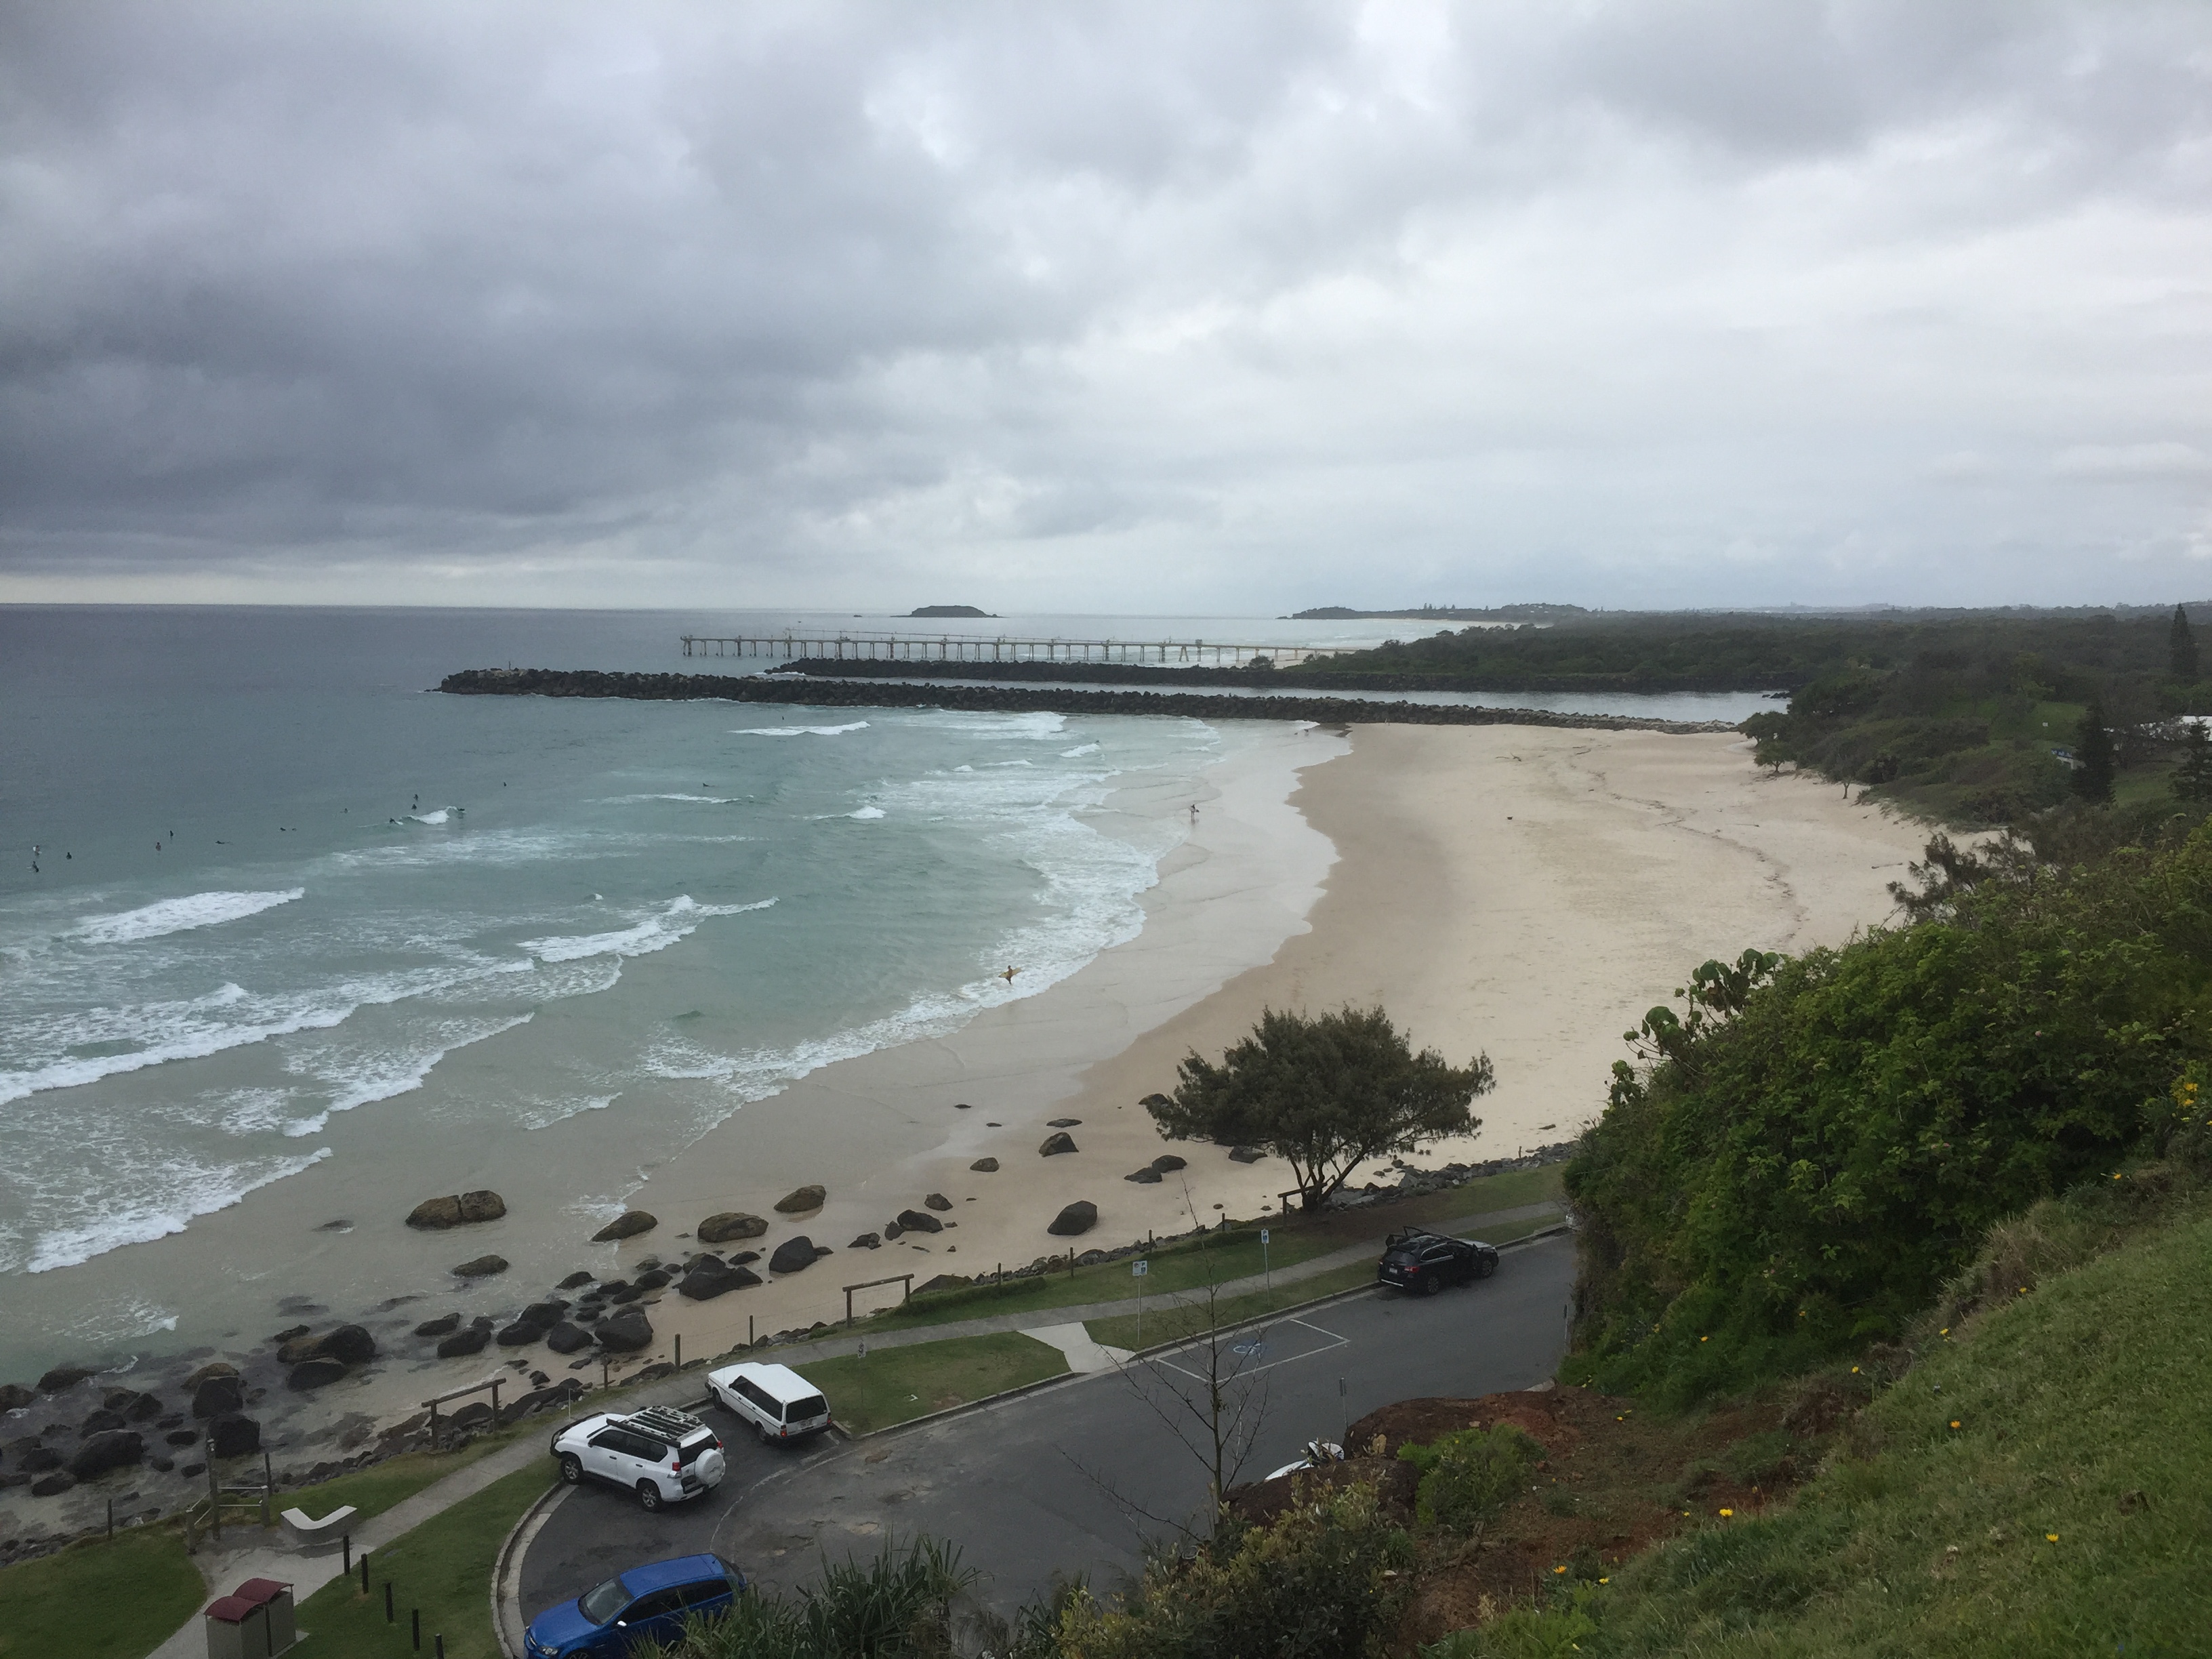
column 254, row 1621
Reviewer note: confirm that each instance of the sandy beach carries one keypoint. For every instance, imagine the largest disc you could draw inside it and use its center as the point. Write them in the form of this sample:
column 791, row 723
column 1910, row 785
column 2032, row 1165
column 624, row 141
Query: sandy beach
column 1520, row 892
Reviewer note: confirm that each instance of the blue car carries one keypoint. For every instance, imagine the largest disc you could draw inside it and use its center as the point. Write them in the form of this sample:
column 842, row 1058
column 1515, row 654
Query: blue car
column 646, row 1604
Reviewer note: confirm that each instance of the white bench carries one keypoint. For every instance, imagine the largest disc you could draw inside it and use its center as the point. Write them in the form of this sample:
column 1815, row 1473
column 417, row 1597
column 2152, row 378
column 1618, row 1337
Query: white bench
column 307, row 1532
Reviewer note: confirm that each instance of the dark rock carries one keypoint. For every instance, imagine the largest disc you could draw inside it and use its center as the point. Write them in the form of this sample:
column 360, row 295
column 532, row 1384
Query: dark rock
column 792, row 1254
column 483, row 1267
column 652, row 1278
column 476, row 1414
column 443, row 1325
column 61, row 1378
column 213, row 1368
column 160, row 1465
column 521, row 1335
column 14, row 1396
column 234, row 1437
column 102, row 1421
column 867, row 1242
column 1167, row 1161
column 611, row 1288
column 1079, row 1216
column 350, row 1343
column 893, row 1231
column 171, row 1420
column 138, row 1407
column 628, row 1293
column 706, row 1259
column 299, row 1349
column 731, row 1223
column 341, row 1226
column 40, row 1458
column 1061, row 1122
column 191, row 1469
column 626, row 1333
column 985, row 1166
column 458, row 1210
column 629, row 1224
column 919, row 1221
column 115, row 1450
column 1245, row 1155
column 801, row 1200
column 1057, row 1143
column 745, row 1258
column 1150, row 1101
column 218, row 1396
column 290, row 1333
column 565, row 1337
column 181, row 1437
column 51, row 1486
column 1147, row 1176
column 317, row 1373
column 471, row 1341
column 547, row 1312
column 579, row 1277
column 937, row 1201
column 820, row 1250
column 704, row 1283
column 483, row 1321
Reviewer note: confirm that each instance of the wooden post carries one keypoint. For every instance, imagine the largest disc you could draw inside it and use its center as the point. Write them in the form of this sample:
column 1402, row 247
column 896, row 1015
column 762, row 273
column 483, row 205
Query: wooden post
column 433, row 1426
column 494, row 1402
column 679, row 1351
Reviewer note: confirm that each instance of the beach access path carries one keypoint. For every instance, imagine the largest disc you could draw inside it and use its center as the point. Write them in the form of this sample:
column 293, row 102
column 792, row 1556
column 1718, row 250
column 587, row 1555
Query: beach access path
column 224, row 1568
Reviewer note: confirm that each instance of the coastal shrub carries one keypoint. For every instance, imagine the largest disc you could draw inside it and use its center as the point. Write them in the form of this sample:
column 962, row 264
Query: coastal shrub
column 1324, row 1581
column 896, row 1604
column 1468, row 1476
column 1806, row 1156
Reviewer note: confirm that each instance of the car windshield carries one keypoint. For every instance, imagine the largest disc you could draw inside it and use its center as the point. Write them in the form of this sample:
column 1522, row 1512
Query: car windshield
column 1402, row 1255
column 800, row 1410
column 602, row 1602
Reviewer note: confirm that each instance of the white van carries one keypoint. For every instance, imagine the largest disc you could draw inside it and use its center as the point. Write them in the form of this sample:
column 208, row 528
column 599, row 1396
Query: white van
column 779, row 1403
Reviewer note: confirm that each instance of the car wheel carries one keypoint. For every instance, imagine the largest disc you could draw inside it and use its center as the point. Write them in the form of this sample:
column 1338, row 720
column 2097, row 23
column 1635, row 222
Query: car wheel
column 572, row 1469
column 648, row 1496
column 761, row 1433
column 1487, row 1266
column 1432, row 1283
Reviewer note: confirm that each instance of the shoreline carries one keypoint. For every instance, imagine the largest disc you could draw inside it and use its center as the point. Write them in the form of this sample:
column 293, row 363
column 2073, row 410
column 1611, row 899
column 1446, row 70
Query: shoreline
column 1525, row 890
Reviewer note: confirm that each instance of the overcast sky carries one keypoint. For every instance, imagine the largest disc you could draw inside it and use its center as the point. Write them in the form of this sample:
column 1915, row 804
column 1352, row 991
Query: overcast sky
column 1171, row 307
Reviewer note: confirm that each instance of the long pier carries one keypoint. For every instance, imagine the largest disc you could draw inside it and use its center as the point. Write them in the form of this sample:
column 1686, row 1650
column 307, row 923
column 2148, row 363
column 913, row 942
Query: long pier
column 968, row 647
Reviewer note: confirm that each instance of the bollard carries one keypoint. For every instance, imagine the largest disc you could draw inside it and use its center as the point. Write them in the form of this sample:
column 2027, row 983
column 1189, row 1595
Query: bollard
column 441, row 1640
column 679, row 1351
column 346, row 1570
column 415, row 1620
column 364, row 1570
column 389, row 1617
column 111, row 1517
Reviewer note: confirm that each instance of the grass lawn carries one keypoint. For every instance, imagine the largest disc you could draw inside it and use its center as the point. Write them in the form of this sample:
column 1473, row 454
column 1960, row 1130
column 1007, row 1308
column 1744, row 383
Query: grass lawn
column 443, row 1567
column 109, row 1600
column 378, row 1487
column 1169, row 1324
column 894, row 1385
column 1187, row 1264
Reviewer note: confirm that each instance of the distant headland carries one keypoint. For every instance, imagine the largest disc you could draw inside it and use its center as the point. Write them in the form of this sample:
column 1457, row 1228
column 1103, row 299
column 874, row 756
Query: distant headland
column 949, row 611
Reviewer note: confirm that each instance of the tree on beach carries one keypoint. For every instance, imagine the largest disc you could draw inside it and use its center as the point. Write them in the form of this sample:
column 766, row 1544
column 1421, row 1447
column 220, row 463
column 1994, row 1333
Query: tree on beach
column 1323, row 1094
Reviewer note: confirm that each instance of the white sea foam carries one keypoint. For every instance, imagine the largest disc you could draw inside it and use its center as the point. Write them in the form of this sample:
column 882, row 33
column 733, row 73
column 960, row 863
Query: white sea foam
column 187, row 1190
column 651, row 934
column 800, row 731
column 177, row 916
column 385, row 1074
column 696, row 800
column 545, row 1114
column 1079, row 751
column 866, row 812
column 1034, row 726
column 438, row 817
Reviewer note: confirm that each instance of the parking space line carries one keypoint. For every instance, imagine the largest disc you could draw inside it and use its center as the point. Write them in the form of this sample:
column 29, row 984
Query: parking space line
column 1332, row 1340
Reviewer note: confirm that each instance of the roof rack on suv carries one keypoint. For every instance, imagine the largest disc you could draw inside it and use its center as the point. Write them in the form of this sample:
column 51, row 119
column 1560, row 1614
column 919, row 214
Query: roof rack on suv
column 670, row 1425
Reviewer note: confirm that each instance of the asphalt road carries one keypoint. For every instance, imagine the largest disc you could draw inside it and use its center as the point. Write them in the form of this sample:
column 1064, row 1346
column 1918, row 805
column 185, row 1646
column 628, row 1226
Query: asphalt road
column 1072, row 1478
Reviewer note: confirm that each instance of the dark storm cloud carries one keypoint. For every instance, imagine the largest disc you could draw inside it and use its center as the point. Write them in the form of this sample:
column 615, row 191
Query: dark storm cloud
column 1241, row 303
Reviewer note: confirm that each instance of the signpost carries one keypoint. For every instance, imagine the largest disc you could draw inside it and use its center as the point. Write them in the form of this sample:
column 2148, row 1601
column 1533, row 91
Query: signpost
column 1265, row 1266
column 1138, row 1270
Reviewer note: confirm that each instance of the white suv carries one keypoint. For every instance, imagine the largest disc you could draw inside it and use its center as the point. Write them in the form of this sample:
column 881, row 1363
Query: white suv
column 662, row 1454
column 779, row 1403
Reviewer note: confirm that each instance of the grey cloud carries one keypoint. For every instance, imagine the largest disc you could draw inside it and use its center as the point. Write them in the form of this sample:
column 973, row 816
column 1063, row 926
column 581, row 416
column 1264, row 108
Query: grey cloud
column 1250, row 303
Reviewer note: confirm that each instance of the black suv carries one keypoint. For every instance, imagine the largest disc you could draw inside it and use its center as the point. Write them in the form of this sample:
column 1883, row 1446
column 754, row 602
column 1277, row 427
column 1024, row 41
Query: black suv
column 1424, row 1263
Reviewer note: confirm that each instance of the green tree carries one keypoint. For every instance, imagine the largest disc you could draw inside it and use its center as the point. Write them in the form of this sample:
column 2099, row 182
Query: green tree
column 2093, row 753
column 2192, row 779
column 1324, row 1095
column 2181, row 648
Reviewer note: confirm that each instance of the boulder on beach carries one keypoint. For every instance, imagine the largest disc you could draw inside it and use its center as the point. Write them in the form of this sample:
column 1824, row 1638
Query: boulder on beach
column 710, row 1279
column 731, row 1223
column 985, row 1166
column 893, row 1232
column 219, row 1397
column 61, row 1378
column 1054, row 1143
column 39, row 1459
column 14, row 1396
column 213, row 1368
column 1147, row 1176
column 471, row 1339
column 299, row 1348
column 792, row 1256
column 919, row 1221
column 115, row 1450
column 801, row 1200
column 1155, row 1100
column 482, row 1267
column 234, row 1437
column 521, row 1335
column 1061, row 1122
column 100, row 1421
column 457, row 1210
column 652, row 1278
column 317, row 1373
column 52, row 1485
column 350, row 1343
column 629, row 1224
column 138, row 1407
column 628, row 1331
column 1245, row 1155
column 867, row 1242
column 581, row 1276
column 1167, row 1161
column 1079, row 1216
column 183, row 1436
column 443, row 1325
column 565, row 1337
column 937, row 1201
column 547, row 1312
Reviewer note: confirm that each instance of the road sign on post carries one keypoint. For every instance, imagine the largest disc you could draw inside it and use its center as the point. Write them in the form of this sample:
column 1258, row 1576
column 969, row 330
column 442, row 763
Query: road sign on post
column 1265, row 1267
column 1139, row 1269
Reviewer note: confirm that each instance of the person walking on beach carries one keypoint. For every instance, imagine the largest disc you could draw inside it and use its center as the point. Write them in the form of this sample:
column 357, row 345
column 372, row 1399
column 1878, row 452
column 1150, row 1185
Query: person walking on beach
column 1194, row 815
column 1009, row 974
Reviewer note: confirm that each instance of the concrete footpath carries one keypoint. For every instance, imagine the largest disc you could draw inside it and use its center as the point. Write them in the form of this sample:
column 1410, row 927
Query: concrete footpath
column 1060, row 1328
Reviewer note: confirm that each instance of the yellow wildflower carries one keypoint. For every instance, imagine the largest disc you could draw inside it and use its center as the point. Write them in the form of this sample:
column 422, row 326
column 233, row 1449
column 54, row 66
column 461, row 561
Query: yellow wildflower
column 1726, row 1513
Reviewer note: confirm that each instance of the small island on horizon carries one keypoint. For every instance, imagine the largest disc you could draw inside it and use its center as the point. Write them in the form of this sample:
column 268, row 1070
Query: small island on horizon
column 949, row 611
